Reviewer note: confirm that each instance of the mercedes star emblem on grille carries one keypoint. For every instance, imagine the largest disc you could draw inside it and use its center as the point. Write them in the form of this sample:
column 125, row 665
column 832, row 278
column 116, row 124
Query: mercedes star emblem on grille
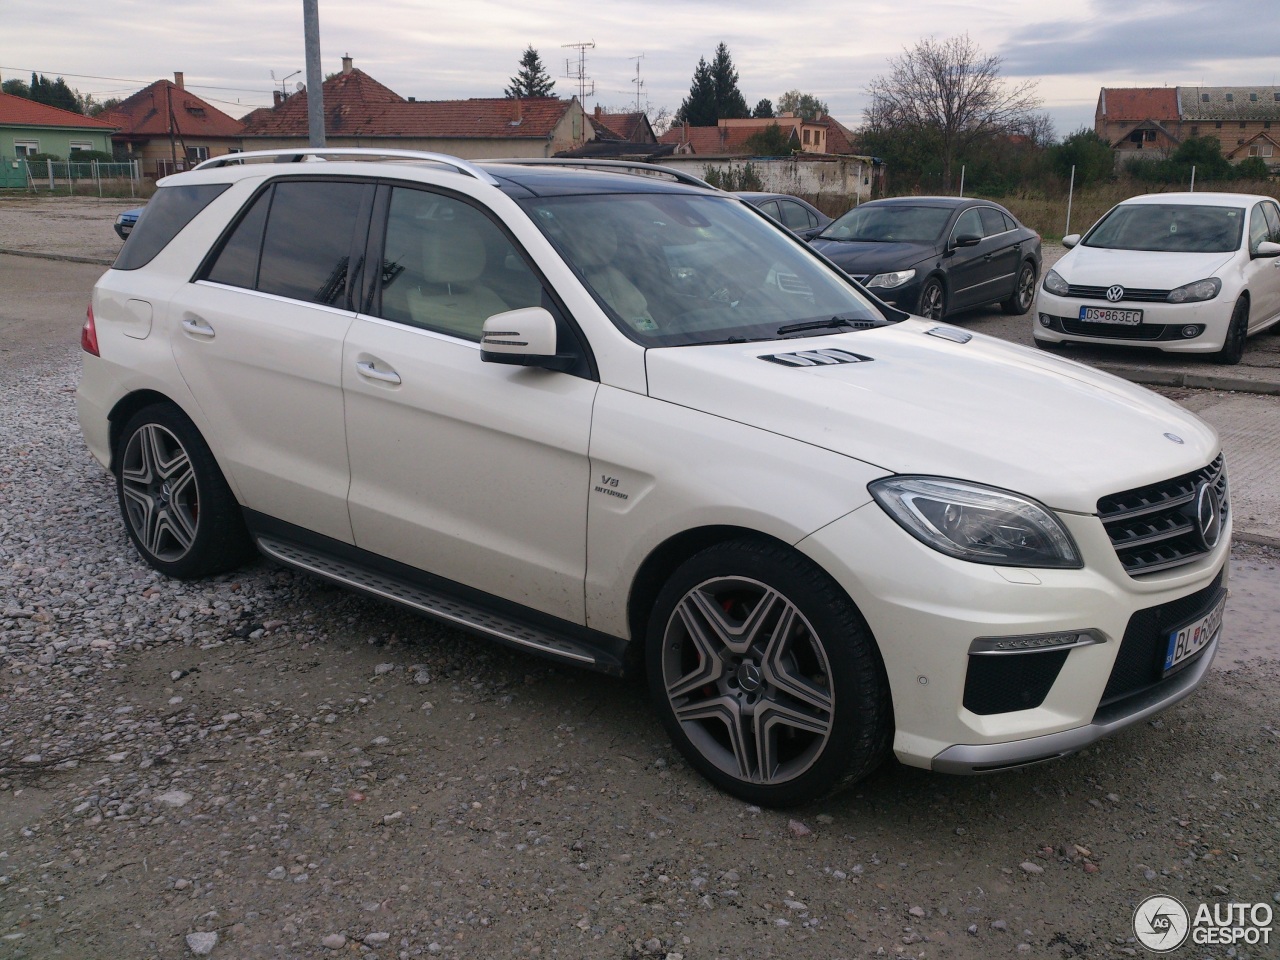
column 1115, row 293
column 1208, row 516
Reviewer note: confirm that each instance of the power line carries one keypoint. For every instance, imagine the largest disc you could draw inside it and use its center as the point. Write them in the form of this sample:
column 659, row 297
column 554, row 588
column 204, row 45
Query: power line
column 144, row 83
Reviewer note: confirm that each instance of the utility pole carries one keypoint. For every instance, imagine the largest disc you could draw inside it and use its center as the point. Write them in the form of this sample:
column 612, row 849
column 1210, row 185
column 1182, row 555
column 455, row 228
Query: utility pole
column 638, row 82
column 315, row 79
column 580, row 72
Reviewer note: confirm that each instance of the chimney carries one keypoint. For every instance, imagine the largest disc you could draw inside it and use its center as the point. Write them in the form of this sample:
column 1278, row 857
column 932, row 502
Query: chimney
column 278, row 97
column 178, row 80
column 413, row 99
column 597, row 111
column 346, row 63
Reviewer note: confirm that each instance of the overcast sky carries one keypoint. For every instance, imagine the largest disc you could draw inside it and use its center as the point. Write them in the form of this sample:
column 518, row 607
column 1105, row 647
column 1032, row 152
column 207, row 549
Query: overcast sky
column 228, row 49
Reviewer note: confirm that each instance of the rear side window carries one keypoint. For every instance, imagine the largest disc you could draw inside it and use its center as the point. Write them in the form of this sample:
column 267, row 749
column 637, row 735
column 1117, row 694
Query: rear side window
column 308, row 240
column 796, row 217
column 171, row 209
column 992, row 221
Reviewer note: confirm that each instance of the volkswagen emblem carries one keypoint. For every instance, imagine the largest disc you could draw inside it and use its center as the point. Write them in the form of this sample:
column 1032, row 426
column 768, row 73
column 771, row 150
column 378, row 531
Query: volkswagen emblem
column 1174, row 437
column 1208, row 516
column 1115, row 293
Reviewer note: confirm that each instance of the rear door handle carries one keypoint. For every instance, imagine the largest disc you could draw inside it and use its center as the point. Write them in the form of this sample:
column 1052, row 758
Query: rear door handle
column 197, row 327
column 368, row 369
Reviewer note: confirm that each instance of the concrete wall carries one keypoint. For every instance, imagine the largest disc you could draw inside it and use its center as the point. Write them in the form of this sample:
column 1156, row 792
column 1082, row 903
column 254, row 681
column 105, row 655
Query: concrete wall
column 855, row 177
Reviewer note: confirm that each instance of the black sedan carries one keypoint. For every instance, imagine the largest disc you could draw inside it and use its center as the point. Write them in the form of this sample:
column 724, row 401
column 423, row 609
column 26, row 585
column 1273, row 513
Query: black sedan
column 798, row 216
column 932, row 256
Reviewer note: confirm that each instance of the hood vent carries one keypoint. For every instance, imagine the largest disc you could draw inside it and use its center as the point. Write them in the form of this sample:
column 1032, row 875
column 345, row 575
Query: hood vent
column 815, row 358
column 950, row 333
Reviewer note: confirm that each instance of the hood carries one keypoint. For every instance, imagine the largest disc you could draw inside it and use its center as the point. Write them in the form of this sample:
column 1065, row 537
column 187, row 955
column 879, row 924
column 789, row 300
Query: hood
column 1147, row 269
column 865, row 257
column 985, row 411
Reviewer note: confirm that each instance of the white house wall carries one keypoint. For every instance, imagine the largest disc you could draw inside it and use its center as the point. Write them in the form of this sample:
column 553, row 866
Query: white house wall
column 843, row 176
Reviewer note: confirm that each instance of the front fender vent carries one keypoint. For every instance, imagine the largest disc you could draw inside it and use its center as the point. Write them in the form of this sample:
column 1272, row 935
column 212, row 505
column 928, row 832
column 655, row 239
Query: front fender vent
column 815, row 358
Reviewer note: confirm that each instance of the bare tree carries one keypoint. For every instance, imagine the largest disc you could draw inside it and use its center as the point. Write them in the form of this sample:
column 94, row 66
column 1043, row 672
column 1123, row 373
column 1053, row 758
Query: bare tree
column 951, row 90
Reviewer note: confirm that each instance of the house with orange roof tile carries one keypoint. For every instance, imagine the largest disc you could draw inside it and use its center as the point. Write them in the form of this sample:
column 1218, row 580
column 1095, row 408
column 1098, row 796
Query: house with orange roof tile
column 168, row 128
column 28, row 128
column 361, row 112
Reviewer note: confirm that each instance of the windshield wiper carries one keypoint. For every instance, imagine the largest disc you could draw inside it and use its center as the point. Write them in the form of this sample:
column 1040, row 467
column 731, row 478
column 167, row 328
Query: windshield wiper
column 834, row 323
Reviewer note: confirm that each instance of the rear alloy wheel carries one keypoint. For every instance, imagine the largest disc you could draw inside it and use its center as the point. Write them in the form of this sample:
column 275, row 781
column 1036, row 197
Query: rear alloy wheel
column 1024, row 291
column 933, row 300
column 1237, row 330
column 765, row 675
column 176, row 505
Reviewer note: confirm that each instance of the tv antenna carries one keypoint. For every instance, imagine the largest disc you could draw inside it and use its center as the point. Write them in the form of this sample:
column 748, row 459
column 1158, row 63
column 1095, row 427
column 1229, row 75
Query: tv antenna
column 638, row 82
column 284, row 92
column 579, row 72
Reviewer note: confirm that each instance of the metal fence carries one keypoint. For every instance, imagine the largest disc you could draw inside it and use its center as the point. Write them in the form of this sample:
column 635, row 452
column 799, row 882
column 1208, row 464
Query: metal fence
column 67, row 176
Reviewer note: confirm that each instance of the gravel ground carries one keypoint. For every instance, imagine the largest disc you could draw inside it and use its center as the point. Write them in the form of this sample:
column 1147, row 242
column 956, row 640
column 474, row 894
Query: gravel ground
column 262, row 766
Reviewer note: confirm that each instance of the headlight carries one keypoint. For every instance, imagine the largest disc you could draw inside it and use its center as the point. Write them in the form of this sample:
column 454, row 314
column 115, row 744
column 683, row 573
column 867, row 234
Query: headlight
column 980, row 524
column 891, row 280
column 1054, row 283
column 1192, row 292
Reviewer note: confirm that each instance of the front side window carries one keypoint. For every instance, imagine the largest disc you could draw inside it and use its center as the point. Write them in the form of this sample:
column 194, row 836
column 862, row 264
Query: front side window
column 447, row 267
column 674, row 269
column 1272, row 213
column 307, row 242
column 1168, row 227
column 969, row 224
column 795, row 216
column 1259, row 229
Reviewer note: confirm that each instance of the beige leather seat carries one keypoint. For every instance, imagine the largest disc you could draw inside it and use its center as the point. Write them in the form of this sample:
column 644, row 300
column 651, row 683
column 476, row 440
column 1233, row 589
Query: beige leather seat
column 594, row 248
column 451, row 298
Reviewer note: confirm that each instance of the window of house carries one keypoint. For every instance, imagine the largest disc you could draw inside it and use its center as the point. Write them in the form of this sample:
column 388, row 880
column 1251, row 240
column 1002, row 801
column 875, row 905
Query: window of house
column 1277, row 97
column 1230, row 97
column 1266, row 124
column 197, row 154
column 1242, row 123
column 76, row 145
column 1218, row 125
column 1240, row 142
column 1253, row 97
column 806, row 136
column 26, row 148
column 1195, row 131
column 1204, row 98
column 1260, row 150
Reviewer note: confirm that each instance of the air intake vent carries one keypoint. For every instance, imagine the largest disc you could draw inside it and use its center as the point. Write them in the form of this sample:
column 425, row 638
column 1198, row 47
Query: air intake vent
column 815, row 358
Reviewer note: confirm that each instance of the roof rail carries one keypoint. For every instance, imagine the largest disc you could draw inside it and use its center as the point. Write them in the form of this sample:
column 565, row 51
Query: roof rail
column 618, row 166
column 300, row 154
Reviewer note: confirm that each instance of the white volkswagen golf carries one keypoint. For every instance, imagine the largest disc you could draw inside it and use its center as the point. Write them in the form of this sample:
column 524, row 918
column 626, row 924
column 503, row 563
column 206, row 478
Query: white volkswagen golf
column 626, row 422
column 1182, row 272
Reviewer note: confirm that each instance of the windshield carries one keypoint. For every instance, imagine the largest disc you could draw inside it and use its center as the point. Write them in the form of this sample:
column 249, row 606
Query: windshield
column 673, row 269
column 892, row 223
column 1168, row 227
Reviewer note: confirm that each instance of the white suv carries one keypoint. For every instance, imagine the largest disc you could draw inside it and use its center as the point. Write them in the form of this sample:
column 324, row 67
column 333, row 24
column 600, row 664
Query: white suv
column 626, row 422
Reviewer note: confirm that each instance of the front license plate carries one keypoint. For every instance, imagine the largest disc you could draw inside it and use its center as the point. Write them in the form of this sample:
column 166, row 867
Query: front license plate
column 1108, row 315
column 1187, row 641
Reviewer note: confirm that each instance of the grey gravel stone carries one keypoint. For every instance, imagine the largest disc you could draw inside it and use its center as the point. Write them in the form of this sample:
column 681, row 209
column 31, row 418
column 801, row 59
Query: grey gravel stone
column 202, row 944
column 334, row 941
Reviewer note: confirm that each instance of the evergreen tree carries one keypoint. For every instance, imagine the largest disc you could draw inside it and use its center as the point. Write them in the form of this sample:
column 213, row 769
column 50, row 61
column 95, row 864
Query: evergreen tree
column 714, row 93
column 55, row 93
column 17, row 88
column 730, row 103
column 763, row 110
column 533, row 79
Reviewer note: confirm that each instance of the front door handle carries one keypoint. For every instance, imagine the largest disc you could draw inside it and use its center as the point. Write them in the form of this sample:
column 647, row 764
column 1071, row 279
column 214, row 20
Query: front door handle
column 197, row 327
column 368, row 369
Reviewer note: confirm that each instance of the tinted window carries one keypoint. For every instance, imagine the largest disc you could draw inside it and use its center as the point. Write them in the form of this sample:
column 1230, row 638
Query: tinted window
column 970, row 223
column 794, row 215
column 308, row 240
column 890, row 223
column 171, row 209
column 447, row 267
column 1010, row 223
column 992, row 221
column 770, row 207
column 237, row 261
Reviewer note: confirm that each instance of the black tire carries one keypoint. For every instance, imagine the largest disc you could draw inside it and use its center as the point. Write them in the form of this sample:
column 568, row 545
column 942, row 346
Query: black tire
column 1237, row 331
column 933, row 300
column 1024, row 291
column 1049, row 346
column 819, row 694
column 176, row 505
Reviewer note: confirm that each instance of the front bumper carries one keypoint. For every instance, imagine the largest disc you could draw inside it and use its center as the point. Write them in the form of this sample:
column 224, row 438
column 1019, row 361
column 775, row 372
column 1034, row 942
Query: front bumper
column 1164, row 326
column 925, row 611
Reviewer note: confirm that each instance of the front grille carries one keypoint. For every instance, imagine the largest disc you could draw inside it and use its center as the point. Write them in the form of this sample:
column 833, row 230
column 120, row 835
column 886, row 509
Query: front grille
column 1082, row 292
column 1154, row 527
column 1011, row 681
column 1140, row 661
column 1117, row 331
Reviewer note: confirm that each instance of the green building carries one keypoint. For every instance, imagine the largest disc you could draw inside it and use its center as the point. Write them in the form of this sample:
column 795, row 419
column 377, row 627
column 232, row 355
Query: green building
column 28, row 128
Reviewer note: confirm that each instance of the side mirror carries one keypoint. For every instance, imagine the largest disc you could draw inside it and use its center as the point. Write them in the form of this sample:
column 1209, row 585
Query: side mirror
column 1070, row 240
column 1268, row 249
column 966, row 240
column 525, row 338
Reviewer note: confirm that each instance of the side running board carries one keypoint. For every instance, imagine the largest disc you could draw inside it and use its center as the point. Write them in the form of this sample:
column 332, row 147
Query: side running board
column 433, row 604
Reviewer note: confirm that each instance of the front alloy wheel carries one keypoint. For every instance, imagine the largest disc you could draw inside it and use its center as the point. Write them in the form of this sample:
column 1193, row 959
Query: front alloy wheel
column 1024, row 291
column 933, row 300
column 764, row 675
